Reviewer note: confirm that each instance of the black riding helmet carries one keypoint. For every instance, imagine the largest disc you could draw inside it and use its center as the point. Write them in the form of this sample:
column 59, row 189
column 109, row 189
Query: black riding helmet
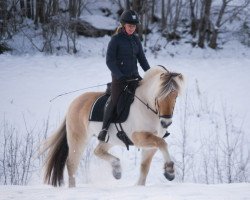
column 129, row 17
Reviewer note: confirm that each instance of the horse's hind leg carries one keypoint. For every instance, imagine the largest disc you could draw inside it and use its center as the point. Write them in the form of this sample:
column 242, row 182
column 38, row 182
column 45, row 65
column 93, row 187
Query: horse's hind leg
column 76, row 142
column 147, row 155
column 102, row 151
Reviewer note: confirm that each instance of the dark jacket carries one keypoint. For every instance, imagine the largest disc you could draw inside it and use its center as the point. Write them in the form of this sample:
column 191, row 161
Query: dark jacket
column 122, row 55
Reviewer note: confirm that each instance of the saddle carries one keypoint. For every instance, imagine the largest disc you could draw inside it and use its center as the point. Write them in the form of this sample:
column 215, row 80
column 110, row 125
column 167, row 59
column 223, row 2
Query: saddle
column 123, row 108
column 97, row 109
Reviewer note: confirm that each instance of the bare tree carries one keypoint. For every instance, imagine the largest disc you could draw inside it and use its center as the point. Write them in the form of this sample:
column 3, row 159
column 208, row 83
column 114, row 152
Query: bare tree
column 177, row 15
column 137, row 6
column 30, row 9
column 193, row 17
column 40, row 11
column 15, row 156
column 163, row 15
column 22, row 7
column 205, row 21
column 3, row 19
column 152, row 11
column 219, row 22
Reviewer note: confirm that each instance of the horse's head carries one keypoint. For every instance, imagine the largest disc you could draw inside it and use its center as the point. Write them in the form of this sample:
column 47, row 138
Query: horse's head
column 167, row 86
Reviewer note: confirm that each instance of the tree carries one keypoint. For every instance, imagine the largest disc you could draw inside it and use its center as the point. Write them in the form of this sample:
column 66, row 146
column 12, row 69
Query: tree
column 163, row 16
column 219, row 22
column 40, row 11
column 3, row 18
column 137, row 6
column 194, row 21
column 29, row 10
column 205, row 21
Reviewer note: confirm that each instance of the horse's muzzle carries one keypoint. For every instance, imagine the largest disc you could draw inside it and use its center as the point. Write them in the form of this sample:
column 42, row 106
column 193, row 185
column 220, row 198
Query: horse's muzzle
column 165, row 123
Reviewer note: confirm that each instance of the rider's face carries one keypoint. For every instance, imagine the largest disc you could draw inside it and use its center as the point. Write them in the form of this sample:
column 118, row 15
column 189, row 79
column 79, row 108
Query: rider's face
column 130, row 28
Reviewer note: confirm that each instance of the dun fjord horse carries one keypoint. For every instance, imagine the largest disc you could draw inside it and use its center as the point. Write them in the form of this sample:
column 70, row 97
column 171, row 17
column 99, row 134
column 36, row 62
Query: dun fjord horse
column 148, row 120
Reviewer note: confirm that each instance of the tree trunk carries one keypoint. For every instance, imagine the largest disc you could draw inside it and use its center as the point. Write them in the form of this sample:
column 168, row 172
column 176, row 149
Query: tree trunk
column 32, row 9
column 163, row 16
column 194, row 21
column 213, row 41
column 152, row 11
column 127, row 5
column 40, row 11
column 22, row 7
column 3, row 18
column 29, row 7
column 204, row 22
column 177, row 15
column 73, row 8
column 168, row 13
column 137, row 6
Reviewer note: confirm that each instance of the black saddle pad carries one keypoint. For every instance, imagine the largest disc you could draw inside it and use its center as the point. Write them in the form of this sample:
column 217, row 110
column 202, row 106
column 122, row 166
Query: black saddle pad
column 97, row 111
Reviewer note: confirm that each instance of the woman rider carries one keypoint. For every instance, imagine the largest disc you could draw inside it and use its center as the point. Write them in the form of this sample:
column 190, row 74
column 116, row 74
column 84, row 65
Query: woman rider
column 124, row 49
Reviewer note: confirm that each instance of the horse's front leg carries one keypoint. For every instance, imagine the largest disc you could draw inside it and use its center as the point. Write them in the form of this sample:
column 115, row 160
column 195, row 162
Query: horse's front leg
column 102, row 151
column 147, row 155
column 149, row 140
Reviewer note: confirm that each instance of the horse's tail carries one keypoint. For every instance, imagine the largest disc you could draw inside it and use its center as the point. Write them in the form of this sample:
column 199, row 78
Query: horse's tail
column 57, row 156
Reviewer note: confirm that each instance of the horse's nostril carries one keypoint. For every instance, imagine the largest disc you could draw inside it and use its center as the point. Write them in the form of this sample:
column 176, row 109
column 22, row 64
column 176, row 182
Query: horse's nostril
column 165, row 124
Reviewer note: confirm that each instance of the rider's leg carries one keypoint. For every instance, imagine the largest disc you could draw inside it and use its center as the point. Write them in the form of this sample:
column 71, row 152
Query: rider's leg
column 110, row 108
column 107, row 117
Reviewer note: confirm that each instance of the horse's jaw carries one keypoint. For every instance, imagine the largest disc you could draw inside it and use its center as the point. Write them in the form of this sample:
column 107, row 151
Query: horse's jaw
column 161, row 130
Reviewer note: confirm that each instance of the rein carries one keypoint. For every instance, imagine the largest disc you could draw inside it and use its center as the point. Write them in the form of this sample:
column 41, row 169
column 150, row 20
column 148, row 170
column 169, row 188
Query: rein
column 146, row 104
column 154, row 111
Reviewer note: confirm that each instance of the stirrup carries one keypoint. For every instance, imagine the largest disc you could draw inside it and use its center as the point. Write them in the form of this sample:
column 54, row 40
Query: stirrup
column 103, row 136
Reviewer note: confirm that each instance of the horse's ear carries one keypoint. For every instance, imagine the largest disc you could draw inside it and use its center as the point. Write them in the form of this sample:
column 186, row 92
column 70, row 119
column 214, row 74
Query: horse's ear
column 164, row 68
column 180, row 76
column 162, row 75
column 174, row 74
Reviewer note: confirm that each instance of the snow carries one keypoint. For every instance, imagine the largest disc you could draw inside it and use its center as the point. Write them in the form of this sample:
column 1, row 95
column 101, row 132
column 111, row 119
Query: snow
column 174, row 191
column 107, row 22
column 214, row 79
column 28, row 83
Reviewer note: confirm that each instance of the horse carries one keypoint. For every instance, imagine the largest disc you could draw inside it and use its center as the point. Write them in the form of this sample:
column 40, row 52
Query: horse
column 149, row 117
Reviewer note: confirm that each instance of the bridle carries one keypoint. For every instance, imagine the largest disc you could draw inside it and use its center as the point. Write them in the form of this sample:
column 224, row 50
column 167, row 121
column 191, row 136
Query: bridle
column 146, row 104
column 155, row 111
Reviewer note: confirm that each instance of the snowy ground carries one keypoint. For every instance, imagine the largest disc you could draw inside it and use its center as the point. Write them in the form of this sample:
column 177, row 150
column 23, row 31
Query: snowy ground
column 28, row 83
column 127, row 192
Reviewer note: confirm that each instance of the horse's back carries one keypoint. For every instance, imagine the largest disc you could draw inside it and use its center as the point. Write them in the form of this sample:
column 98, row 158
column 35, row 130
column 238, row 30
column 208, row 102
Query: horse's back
column 78, row 113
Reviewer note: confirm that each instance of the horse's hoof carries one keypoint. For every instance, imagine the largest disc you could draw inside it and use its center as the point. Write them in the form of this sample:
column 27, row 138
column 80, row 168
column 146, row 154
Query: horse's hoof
column 117, row 171
column 169, row 176
column 117, row 175
column 169, row 171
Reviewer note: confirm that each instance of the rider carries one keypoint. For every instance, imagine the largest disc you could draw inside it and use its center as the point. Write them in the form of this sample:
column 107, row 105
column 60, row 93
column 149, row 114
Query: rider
column 124, row 49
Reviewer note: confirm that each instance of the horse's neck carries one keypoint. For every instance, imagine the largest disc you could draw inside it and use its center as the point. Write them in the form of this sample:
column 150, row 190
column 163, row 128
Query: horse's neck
column 145, row 118
column 146, row 94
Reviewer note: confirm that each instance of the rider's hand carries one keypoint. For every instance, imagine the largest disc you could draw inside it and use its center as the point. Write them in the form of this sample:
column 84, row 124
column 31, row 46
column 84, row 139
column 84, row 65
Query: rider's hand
column 123, row 80
column 138, row 77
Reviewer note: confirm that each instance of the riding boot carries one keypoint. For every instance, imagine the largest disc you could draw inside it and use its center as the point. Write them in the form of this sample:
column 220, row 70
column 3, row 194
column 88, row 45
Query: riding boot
column 107, row 118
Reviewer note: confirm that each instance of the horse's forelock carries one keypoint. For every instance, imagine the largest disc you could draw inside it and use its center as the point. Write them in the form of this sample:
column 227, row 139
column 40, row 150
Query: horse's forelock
column 170, row 81
column 154, row 71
